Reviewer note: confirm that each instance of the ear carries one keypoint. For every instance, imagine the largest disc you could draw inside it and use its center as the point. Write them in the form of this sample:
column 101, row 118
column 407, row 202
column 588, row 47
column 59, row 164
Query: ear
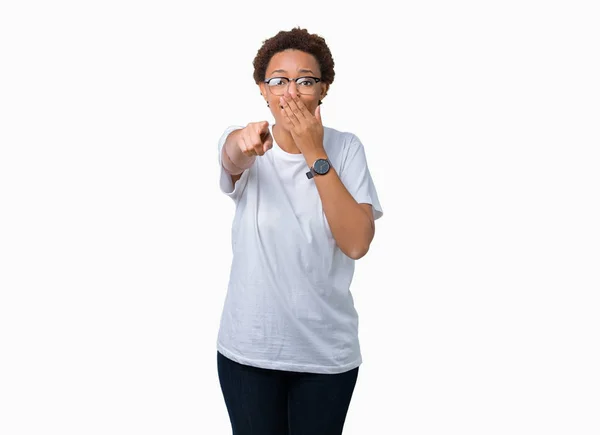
column 263, row 90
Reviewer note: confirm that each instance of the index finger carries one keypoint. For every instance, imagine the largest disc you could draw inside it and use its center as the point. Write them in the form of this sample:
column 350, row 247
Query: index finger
column 256, row 142
column 263, row 127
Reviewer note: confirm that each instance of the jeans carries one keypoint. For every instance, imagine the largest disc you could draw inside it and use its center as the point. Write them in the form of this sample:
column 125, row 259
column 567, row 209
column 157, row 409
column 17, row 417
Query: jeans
column 274, row 402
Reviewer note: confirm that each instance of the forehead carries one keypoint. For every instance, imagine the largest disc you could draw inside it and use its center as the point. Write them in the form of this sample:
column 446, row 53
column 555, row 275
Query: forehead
column 292, row 61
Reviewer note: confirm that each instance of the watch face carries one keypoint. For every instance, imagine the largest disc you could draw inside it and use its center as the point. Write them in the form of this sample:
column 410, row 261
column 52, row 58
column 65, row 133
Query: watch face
column 321, row 166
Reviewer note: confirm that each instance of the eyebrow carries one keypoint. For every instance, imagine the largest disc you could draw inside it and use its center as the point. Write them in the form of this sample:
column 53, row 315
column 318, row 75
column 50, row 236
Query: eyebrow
column 300, row 70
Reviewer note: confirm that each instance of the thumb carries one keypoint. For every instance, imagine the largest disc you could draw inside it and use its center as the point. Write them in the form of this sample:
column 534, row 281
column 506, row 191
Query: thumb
column 318, row 114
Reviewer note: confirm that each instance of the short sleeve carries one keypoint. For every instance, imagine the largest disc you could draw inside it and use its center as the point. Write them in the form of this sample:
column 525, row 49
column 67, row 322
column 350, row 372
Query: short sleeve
column 225, row 182
column 356, row 177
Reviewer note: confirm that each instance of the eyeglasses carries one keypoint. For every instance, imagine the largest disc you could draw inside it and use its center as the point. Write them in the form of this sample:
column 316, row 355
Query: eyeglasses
column 304, row 85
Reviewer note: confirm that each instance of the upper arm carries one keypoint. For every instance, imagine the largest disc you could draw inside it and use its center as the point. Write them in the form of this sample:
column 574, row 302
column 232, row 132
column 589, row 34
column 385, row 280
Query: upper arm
column 356, row 176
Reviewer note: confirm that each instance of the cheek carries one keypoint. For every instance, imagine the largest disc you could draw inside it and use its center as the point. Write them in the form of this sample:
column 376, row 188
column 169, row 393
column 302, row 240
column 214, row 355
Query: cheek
column 274, row 104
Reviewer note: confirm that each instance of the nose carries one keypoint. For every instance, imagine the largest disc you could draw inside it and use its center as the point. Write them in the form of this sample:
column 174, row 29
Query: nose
column 292, row 89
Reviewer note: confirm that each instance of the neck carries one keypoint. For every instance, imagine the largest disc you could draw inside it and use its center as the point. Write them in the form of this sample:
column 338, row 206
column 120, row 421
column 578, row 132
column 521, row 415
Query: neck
column 285, row 140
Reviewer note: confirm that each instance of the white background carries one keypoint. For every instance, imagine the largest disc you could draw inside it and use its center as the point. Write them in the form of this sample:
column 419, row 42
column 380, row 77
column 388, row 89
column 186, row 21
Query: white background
column 478, row 300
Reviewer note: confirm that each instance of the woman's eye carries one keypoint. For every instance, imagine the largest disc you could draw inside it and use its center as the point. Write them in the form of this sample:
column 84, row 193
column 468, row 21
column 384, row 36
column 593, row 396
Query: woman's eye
column 305, row 82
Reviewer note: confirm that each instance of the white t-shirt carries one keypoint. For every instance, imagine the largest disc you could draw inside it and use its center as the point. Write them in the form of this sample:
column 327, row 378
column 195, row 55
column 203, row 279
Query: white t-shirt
column 288, row 304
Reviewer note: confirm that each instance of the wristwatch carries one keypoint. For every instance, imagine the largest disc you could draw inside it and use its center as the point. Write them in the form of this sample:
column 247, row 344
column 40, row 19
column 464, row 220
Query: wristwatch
column 320, row 167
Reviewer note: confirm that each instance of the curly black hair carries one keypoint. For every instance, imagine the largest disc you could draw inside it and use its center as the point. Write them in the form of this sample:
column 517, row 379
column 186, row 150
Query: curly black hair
column 297, row 39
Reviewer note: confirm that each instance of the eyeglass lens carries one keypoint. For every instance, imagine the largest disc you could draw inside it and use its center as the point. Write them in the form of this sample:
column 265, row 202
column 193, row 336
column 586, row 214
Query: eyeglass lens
column 304, row 85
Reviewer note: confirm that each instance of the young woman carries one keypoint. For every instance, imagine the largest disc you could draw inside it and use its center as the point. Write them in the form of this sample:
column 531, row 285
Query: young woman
column 288, row 352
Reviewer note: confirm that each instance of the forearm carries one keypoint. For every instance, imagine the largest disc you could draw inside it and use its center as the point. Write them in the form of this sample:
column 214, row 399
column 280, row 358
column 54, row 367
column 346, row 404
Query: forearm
column 350, row 225
column 234, row 160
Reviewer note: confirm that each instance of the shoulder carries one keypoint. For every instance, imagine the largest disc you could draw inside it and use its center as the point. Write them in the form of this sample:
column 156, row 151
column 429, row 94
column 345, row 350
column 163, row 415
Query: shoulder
column 343, row 140
column 344, row 145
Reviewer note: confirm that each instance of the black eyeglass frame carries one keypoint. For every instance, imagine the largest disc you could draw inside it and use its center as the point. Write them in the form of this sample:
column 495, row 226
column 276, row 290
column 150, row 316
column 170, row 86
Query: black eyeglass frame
column 316, row 79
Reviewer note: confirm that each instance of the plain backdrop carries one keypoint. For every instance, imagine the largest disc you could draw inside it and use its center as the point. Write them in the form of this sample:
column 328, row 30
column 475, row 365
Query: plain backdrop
column 478, row 300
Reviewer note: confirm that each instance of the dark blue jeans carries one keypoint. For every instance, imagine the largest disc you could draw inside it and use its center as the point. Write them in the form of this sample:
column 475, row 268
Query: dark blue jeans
column 274, row 402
